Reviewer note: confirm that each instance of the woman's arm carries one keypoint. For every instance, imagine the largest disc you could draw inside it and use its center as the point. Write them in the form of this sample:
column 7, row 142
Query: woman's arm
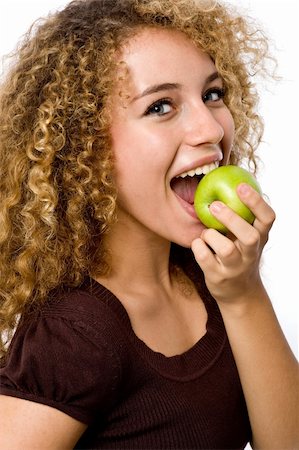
column 26, row 425
column 268, row 372
column 267, row 368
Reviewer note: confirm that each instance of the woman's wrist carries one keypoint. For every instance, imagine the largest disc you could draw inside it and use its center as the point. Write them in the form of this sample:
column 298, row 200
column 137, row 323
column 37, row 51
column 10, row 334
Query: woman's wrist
column 247, row 303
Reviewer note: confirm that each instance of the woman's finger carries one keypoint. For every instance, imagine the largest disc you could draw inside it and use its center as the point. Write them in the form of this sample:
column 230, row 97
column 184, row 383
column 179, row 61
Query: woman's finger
column 264, row 214
column 247, row 237
column 225, row 250
column 203, row 255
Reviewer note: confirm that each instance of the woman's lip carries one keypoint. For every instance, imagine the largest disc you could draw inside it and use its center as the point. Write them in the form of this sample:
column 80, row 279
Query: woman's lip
column 187, row 207
column 208, row 159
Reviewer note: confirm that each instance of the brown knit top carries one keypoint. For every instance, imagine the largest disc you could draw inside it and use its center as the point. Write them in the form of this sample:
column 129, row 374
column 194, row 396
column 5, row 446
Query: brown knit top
column 79, row 354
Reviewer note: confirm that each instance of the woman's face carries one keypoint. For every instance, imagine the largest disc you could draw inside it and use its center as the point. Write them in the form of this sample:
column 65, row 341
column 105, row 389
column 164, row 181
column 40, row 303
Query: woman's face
column 170, row 120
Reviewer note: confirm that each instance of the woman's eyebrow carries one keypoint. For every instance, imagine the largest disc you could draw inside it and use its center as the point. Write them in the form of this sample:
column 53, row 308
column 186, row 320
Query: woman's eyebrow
column 170, row 86
column 214, row 76
column 157, row 88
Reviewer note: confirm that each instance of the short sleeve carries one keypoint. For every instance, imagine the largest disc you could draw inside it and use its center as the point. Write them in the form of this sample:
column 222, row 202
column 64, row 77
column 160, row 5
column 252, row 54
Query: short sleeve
column 62, row 363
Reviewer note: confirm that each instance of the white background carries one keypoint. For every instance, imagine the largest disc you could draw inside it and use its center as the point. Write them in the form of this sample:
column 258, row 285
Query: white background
column 279, row 152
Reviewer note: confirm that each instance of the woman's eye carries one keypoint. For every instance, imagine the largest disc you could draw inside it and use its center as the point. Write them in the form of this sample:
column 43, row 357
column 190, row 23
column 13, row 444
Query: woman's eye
column 214, row 95
column 159, row 108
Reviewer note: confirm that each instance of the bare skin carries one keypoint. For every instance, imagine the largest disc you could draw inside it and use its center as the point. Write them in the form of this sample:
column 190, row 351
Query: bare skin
column 32, row 426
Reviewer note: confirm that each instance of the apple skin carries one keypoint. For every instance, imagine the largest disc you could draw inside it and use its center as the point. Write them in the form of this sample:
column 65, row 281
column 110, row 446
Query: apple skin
column 221, row 184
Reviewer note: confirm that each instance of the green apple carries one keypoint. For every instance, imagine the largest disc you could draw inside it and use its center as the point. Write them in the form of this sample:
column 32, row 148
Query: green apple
column 221, row 184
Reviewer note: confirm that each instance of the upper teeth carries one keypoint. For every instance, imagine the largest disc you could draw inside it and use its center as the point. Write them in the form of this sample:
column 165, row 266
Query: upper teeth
column 203, row 170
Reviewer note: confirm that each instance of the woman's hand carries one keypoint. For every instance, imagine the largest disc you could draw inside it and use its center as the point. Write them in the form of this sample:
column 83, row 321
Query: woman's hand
column 231, row 263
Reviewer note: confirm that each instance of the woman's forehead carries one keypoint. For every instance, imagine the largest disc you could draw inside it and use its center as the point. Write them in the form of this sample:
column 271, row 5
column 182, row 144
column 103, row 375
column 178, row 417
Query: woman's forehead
column 159, row 56
column 147, row 38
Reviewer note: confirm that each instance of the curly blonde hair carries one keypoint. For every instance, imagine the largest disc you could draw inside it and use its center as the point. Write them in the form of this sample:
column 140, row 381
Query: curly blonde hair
column 57, row 194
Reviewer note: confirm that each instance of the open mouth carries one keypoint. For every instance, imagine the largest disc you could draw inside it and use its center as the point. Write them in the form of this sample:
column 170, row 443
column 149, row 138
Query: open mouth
column 185, row 184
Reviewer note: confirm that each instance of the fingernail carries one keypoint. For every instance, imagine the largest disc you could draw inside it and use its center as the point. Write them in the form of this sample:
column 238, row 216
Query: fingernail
column 244, row 188
column 216, row 207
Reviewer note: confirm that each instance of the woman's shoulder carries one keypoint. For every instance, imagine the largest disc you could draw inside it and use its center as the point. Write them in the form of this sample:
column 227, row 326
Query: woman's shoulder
column 66, row 354
column 88, row 305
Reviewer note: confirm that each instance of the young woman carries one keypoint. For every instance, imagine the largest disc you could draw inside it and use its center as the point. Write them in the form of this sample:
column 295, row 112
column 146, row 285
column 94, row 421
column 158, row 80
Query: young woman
column 126, row 323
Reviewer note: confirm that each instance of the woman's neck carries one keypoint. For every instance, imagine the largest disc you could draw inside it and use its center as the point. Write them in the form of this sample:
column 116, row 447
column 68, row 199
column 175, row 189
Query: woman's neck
column 137, row 257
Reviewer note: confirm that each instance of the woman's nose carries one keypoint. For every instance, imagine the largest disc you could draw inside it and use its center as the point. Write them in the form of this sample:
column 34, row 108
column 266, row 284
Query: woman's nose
column 203, row 125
